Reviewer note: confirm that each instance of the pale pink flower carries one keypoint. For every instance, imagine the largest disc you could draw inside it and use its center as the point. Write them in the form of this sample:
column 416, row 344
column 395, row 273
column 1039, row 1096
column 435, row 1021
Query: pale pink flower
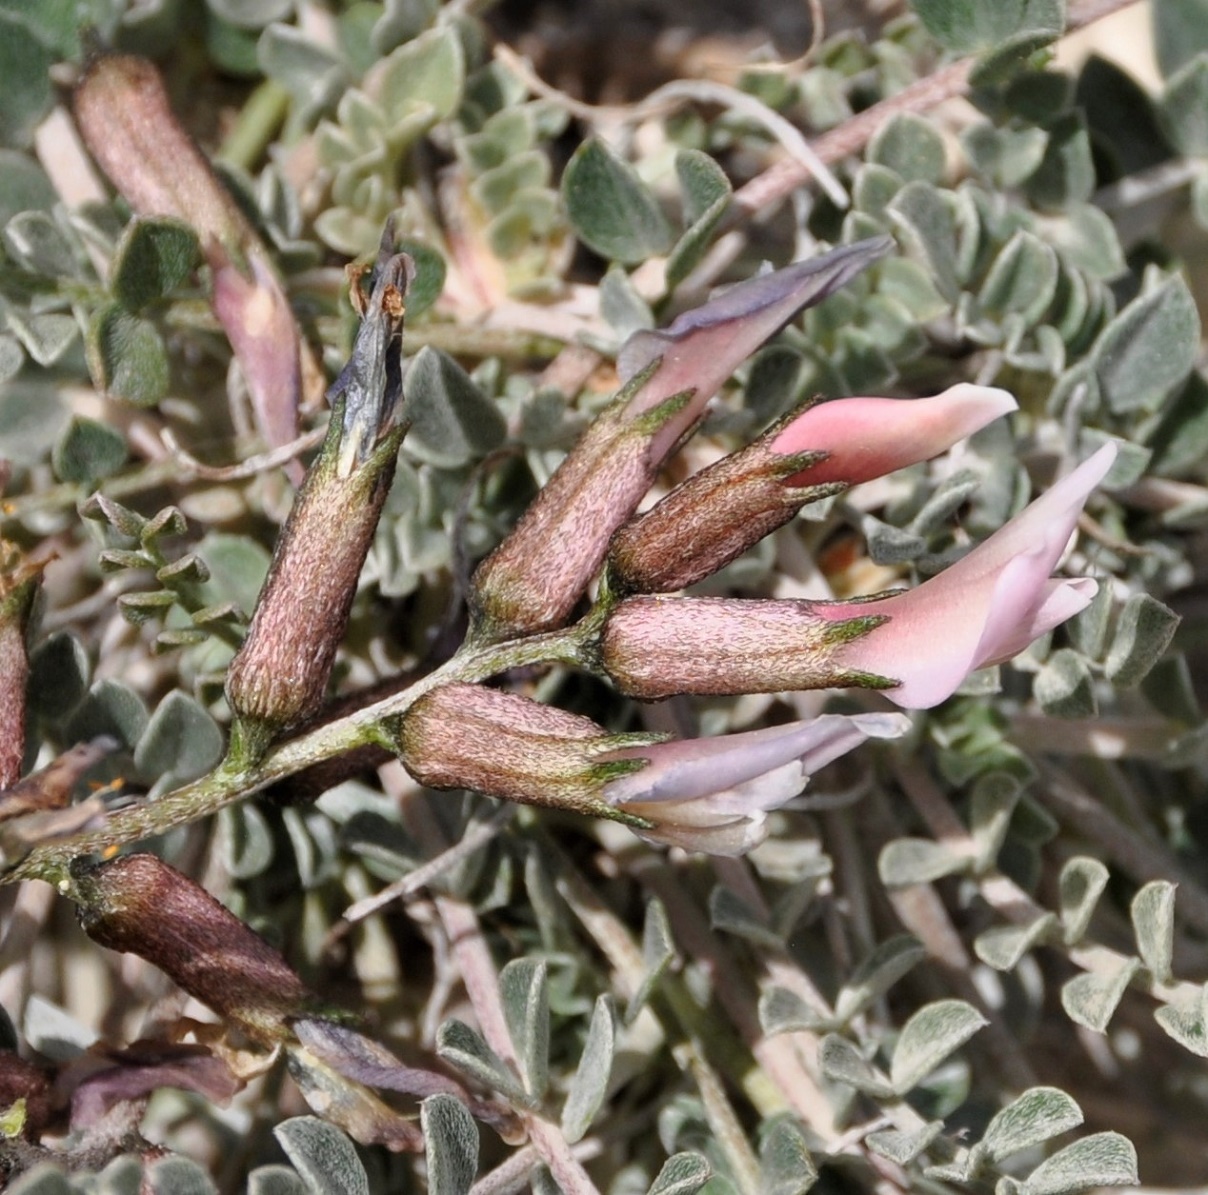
column 865, row 438
column 714, row 794
column 917, row 645
column 534, row 579
column 718, row 513
column 987, row 607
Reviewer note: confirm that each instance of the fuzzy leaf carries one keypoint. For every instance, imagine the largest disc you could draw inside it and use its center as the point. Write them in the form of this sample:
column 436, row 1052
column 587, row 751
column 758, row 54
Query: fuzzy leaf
column 1187, row 1022
column 1066, row 174
column 876, row 974
column 901, row 1147
column 429, row 280
column 12, row 357
column 1180, row 30
column 246, row 840
column 59, row 674
column 682, row 1174
column 1091, row 999
column 966, row 26
column 1143, row 634
column 928, row 233
column 25, row 62
column 181, row 741
column 154, row 257
column 995, row 797
column 452, row 421
column 785, row 1165
column 450, row 1145
column 463, row 1048
column 1148, row 349
column 1022, row 280
column 275, row 1180
column 1081, row 884
column 928, row 1038
column 1184, row 109
column 178, row 1176
column 110, row 708
column 43, row 1179
column 1152, row 912
column 1100, row 1160
column 524, row 988
column 1029, row 1120
column 731, row 914
column 427, row 70
column 38, row 243
column 44, row 337
column 840, row 1060
column 910, row 147
column 88, row 451
column 908, row 861
column 702, row 182
column 590, row 1082
column 1064, row 686
column 611, row 210
column 1003, row 946
column 127, row 356
column 323, row 1156
column 784, row 1011
column 658, row 951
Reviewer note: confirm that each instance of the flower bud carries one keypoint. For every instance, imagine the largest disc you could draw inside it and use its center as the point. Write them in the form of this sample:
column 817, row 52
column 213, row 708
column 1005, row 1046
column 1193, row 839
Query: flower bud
column 138, row 904
column 533, row 580
column 707, row 795
column 280, row 675
column 126, row 119
column 720, row 512
column 504, row 745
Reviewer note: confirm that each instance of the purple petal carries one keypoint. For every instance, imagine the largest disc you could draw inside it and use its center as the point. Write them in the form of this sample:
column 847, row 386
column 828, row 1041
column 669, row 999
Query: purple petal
column 702, row 347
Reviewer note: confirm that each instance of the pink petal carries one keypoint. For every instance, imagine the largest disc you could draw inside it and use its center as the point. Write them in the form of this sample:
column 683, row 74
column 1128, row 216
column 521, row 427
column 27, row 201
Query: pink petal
column 1052, row 516
column 984, row 609
column 870, row 437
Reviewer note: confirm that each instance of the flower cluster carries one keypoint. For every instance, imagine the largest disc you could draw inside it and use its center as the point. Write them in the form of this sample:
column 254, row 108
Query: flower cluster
column 916, row 646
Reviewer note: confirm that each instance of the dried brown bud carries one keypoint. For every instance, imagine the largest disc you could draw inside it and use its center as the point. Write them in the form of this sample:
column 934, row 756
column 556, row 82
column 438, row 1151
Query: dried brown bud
column 127, row 121
column 139, row 904
column 280, row 675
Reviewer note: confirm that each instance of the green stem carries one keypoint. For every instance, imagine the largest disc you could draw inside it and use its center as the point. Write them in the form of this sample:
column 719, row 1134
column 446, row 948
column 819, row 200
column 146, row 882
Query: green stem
column 233, row 781
column 256, row 126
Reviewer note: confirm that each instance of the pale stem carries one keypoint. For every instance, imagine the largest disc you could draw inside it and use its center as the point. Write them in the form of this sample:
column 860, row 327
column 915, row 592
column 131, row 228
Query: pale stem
column 230, row 782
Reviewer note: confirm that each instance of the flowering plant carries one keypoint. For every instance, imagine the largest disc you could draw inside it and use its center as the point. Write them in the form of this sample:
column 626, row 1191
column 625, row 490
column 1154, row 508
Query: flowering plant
column 592, row 695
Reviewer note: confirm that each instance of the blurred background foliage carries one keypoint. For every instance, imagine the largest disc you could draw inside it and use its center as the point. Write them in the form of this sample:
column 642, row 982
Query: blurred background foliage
column 950, row 955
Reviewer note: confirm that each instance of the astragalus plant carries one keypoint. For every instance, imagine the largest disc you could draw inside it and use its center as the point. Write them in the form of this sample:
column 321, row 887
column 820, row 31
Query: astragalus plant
column 629, row 648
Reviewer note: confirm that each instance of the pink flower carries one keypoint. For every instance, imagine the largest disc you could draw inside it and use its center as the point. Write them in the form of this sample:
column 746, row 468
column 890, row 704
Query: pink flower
column 987, row 607
column 713, row 794
column 917, row 645
column 865, row 438
column 534, row 579
column 720, row 512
